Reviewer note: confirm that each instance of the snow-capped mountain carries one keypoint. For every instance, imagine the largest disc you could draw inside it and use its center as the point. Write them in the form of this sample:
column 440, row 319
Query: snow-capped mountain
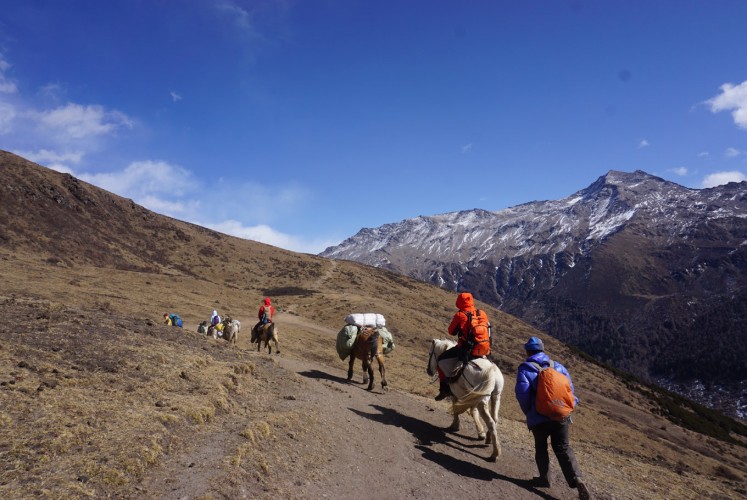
column 635, row 270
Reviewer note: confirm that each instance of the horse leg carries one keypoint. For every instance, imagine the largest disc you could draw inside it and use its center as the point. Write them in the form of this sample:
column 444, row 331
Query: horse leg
column 277, row 349
column 350, row 366
column 364, row 366
column 492, row 432
column 454, row 427
column 475, row 414
column 382, row 372
column 368, row 366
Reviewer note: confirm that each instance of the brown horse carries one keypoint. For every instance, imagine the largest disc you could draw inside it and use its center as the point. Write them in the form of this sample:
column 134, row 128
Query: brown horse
column 267, row 332
column 367, row 346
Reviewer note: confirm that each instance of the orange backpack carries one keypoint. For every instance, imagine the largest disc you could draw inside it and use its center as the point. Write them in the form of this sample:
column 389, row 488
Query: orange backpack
column 554, row 397
column 478, row 334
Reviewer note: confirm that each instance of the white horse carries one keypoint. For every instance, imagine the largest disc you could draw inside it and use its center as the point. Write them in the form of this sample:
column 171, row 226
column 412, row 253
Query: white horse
column 231, row 330
column 477, row 389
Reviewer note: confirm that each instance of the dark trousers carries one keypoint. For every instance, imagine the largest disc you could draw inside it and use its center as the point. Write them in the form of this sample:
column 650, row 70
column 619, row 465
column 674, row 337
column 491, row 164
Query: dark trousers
column 558, row 434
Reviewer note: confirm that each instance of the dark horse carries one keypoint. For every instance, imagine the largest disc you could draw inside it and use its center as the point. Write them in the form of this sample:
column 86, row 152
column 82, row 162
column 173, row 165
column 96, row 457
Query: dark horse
column 367, row 346
column 267, row 332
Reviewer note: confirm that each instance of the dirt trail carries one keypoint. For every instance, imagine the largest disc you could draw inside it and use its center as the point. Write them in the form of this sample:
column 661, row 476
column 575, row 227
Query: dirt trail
column 354, row 444
column 392, row 445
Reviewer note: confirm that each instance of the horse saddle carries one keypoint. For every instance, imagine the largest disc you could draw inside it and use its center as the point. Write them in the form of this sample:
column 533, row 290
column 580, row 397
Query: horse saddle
column 471, row 369
column 475, row 372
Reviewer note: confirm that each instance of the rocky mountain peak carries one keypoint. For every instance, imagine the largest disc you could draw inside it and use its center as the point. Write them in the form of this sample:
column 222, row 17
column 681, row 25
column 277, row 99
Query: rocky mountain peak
column 620, row 268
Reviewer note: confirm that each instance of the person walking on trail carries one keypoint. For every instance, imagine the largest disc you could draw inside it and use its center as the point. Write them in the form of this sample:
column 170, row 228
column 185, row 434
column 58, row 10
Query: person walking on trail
column 472, row 328
column 543, row 426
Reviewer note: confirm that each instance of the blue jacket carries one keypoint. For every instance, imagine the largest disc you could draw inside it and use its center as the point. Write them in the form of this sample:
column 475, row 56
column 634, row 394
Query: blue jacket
column 526, row 386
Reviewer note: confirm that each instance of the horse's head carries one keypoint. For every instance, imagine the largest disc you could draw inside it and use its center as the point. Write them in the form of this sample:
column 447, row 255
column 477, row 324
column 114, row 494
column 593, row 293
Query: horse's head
column 437, row 348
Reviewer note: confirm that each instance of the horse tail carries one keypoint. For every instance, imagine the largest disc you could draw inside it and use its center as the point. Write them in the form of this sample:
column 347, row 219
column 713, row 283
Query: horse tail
column 373, row 344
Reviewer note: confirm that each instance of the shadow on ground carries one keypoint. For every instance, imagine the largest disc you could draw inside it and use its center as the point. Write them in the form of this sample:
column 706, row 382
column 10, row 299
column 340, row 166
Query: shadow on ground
column 427, row 434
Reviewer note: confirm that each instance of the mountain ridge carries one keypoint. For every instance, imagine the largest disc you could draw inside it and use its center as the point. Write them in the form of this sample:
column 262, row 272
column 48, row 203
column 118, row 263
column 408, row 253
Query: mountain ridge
column 629, row 254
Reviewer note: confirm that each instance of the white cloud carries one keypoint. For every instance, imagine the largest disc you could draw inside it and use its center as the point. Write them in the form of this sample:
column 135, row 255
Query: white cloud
column 144, row 179
column 257, row 203
column 77, row 121
column 172, row 190
column 7, row 86
column 732, row 153
column 175, row 97
column 266, row 234
column 52, row 91
column 719, row 178
column 172, row 208
column 681, row 171
column 7, row 116
column 240, row 16
column 704, row 154
column 732, row 98
column 45, row 156
column 643, row 143
column 61, row 167
column 466, row 148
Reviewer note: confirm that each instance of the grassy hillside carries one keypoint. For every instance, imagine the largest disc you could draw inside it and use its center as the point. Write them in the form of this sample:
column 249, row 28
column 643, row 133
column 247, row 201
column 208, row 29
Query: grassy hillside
column 97, row 394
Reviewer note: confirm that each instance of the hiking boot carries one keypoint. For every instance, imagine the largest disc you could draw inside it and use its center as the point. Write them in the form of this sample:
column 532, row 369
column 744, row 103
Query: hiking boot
column 443, row 391
column 540, row 482
column 442, row 395
column 583, row 491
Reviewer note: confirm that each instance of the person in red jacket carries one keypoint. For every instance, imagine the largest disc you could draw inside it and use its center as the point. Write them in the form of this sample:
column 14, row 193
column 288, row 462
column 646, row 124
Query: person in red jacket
column 266, row 311
column 460, row 327
column 265, row 314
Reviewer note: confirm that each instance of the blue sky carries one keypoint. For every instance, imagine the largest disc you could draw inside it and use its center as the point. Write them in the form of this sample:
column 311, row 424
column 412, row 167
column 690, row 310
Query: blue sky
column 297, row 123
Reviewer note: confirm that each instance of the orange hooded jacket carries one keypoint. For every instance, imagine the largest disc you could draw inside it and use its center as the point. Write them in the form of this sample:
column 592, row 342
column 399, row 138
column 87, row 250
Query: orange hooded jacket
column 458, row 326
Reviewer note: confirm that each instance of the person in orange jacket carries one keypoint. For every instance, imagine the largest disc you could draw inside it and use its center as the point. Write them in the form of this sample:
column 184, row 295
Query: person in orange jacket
column 460, row 327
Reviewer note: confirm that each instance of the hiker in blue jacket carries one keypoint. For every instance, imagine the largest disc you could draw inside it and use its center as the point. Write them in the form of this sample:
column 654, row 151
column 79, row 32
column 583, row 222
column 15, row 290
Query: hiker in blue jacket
column 543, row 427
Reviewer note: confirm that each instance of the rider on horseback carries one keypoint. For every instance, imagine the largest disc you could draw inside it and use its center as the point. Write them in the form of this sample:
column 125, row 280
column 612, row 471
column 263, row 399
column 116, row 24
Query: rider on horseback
column 266, row 312
column 462, row 325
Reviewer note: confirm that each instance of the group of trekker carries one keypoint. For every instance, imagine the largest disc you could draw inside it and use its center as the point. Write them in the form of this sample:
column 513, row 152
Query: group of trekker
column 547, row 413
column 265, row 315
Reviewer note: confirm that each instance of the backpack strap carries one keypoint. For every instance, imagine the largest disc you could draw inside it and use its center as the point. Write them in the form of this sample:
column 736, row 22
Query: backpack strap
column 540, row 367
column 468, row 334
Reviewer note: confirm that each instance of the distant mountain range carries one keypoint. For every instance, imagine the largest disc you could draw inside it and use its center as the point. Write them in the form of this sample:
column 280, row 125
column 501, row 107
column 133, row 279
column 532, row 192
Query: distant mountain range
column 637, row 271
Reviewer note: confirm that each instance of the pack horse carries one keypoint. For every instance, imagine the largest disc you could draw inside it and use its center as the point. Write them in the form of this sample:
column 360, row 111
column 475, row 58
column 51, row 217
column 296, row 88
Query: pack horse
column 367, row 347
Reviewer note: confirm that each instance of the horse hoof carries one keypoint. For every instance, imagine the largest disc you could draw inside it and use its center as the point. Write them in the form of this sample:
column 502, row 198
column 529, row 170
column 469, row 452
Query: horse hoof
column 483, row 436
column 493, row 458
